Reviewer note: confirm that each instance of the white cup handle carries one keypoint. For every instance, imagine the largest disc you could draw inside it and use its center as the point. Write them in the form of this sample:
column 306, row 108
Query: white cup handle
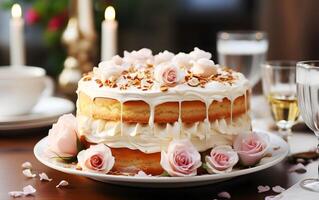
column 49, row 87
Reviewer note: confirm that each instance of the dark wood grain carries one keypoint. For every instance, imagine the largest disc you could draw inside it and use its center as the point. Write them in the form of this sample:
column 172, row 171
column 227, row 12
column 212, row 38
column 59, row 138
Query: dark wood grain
column 15, row 150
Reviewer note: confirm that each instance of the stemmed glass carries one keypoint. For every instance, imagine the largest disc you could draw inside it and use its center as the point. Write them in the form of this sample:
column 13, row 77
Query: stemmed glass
column 279, row 87
column 243, row 51
column 308, row 100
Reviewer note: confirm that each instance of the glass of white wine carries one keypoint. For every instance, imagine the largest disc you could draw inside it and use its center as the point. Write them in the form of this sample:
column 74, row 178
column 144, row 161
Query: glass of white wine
column 308, row 101
column 243, row 51
column 279, row 87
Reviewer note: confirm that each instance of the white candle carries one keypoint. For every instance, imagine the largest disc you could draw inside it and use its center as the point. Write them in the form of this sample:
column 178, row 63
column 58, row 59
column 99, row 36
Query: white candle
column 86, row 18
column 109, row 34
column 17, row 54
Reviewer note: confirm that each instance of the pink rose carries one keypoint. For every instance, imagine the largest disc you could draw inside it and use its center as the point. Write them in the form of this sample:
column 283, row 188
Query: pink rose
column 251, row 147
column 222, row 159
column 204, row 67
column 32, row 16
column 97, row 158
column 62, row 139
column 167, row 74
column 181, row 159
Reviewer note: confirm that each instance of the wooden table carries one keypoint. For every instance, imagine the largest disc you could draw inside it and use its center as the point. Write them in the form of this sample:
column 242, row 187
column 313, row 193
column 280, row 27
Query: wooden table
column 14, row 150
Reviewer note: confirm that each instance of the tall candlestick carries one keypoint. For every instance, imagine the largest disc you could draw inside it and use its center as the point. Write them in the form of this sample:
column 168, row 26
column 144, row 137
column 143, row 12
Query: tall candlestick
column 109, row 34
column 86, row 18
column 17, row 51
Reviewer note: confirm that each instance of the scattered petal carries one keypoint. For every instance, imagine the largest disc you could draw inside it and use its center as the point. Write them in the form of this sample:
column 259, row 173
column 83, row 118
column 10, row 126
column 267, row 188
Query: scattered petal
column 262, row 188
column 278, row 189
column 26, row 165
column 63, row 183
column 44, row 177
column 300, row 160
column 224, row 194
column 16, row 193
column 273, row 197
column 298, row 168
column 28, row 173
column 142, row 174
column 29, row 190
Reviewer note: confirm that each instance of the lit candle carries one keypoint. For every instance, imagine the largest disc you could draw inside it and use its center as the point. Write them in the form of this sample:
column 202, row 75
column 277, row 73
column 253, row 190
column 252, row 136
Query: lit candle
column 17, row 54
column 109, row 34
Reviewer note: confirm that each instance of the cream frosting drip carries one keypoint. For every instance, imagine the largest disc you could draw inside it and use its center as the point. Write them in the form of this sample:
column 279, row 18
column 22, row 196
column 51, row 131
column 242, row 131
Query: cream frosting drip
column 142, row 137
column 152, row 137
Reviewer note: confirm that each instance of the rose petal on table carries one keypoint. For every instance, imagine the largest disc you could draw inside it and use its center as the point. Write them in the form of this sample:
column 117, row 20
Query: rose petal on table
column 62, row 183
column 224, row 194
column 26, row 165
column 142, row 174
column 278, row 189
column 29, row 190
column 273, row 197
column 262, row 188
column 300, row 160
column 298, row 168
column 28, row 173
column 15, row 193
column 44, row 177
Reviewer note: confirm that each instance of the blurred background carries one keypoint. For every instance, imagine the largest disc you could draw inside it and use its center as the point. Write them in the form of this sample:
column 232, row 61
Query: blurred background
column 175, row 25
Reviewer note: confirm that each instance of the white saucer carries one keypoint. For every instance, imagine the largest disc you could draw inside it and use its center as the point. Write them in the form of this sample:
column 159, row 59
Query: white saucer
column 45, row 113
column 278, row 149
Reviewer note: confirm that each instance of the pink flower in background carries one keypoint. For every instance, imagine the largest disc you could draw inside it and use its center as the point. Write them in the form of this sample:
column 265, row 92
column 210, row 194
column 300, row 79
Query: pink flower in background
column 62, row 139
column 181, row 159
column 222, row 159
column 32, row 16
column 97, row 158
column 54, row 23
column 167, row 74
column 251, row 147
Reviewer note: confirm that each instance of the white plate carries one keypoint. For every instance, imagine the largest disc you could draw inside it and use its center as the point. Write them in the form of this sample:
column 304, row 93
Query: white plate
column 164, row 182
column 45, row 113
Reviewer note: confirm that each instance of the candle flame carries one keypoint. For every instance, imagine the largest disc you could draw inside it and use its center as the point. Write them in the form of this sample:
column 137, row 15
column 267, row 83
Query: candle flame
column 109, row 13
column 16, row 11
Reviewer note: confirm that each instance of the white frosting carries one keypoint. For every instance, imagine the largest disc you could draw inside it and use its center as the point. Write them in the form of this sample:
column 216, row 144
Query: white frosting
column 182, row 60
column 140, row 136
column 162, row 57
column 198, row 54
column 204, row 67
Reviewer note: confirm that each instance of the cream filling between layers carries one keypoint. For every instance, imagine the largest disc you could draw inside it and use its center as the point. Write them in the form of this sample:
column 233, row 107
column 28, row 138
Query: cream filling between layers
column 154, row 138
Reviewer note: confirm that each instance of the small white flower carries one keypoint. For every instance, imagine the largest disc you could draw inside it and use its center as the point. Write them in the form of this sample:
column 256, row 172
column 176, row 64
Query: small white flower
column 28, row 173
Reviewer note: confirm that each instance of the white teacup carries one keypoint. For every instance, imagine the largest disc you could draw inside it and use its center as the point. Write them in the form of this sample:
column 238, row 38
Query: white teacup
column 21, row 88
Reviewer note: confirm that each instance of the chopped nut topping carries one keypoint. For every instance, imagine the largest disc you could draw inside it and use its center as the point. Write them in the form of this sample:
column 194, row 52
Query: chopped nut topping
column 163, row 88
column 193, row 82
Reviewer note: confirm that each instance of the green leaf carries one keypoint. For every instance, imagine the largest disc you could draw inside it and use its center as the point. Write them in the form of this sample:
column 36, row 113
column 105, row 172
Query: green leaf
column 79, row 145
column 164, row 174
column 204, row 165
column 66, row 159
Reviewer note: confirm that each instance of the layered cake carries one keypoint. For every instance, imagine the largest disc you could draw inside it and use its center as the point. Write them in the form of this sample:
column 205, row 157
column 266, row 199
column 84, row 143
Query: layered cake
column 137, row 104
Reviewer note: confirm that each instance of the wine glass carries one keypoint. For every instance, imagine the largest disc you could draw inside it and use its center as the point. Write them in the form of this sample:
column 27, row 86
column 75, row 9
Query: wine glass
column 279, row 87
column 308, row 100
column 243, row 51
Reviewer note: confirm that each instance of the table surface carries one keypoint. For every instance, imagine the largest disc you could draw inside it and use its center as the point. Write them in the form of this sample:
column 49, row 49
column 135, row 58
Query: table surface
column 18, row 148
